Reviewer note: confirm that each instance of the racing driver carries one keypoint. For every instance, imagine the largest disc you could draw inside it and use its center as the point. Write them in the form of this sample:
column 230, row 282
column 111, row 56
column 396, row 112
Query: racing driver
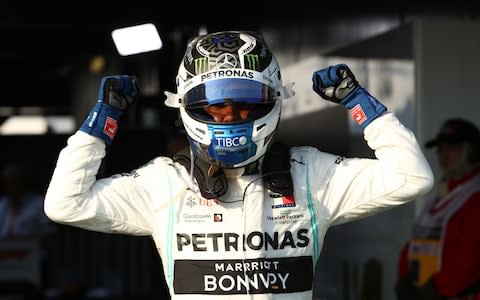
column 271, row 205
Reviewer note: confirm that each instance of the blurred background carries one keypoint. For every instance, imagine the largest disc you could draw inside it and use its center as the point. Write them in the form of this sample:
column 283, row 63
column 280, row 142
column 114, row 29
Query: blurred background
column 421, row 60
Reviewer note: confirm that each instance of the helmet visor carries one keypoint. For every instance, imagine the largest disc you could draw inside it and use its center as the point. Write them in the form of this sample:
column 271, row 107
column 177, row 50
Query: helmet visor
column 231, row 90
column 237, row 112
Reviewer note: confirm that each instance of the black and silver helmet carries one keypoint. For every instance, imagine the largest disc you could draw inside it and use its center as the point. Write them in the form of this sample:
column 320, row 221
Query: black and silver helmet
column 233, row 66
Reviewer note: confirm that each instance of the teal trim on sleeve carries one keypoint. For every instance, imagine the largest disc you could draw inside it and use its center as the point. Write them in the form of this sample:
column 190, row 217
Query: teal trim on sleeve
column 313, row 220
column 171, row 219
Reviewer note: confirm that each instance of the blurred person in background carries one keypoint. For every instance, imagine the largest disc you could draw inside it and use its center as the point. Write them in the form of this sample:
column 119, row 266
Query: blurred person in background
column 21, row 209
column 25, row 233
column 236, row 215
column 442, row 258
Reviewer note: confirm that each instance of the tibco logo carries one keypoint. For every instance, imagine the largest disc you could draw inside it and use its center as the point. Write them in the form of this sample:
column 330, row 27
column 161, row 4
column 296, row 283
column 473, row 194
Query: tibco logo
column 231, row 142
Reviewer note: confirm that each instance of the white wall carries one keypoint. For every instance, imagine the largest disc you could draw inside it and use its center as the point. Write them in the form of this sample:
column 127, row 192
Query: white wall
column 447, row 66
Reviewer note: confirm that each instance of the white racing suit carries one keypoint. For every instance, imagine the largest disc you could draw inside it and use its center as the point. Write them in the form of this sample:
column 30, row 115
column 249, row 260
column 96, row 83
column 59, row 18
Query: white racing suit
column 246, row 244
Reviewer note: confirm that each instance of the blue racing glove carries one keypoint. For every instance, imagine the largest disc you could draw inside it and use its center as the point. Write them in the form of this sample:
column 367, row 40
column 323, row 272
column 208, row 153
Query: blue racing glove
column 338, row 84
column 115, row 94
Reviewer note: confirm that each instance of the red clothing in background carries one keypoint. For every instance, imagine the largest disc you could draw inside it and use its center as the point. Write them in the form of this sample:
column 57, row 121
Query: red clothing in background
column 459, row 256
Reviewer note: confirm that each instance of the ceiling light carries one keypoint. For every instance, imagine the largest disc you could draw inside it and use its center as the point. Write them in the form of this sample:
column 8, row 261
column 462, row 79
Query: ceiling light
column 136, row 39
column 24, row 125
column 33, row 125
column 97, row 64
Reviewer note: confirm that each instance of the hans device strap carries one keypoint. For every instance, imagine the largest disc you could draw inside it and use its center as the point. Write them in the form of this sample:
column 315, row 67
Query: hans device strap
column 213, row 183
column 211, row 179
column 276, row 169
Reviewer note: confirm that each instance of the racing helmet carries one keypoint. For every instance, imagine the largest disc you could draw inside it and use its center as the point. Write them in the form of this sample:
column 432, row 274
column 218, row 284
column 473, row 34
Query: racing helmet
column 229, row 67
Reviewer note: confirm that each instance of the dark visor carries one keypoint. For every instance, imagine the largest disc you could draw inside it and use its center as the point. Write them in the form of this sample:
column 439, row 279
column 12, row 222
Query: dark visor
column 232, row 89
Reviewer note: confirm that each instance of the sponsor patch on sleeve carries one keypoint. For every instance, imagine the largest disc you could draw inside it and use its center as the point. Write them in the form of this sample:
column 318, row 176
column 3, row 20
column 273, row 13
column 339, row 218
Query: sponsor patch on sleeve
column 358, row 114
column 110, row 127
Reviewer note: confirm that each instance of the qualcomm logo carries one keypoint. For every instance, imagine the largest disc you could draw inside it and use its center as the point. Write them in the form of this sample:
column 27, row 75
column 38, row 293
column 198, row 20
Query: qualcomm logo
column 231, row 141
